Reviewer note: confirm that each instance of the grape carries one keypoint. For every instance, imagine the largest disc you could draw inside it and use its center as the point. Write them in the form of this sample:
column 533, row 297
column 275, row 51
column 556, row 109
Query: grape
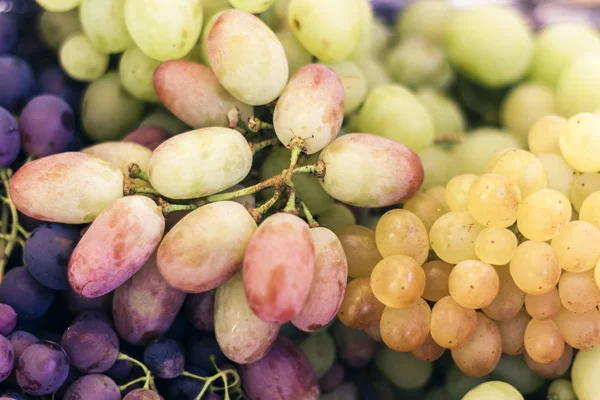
column 394, row 112
column 296, row 55
column 453, row 236
column 164, row 357
column 243, row 337
column 524, row 105
column 104, row 24
column 535, row 267
column 161, row 118
column 405, row 329
column 496, row 245
column 559, row 174
column 457, row 384
column 543, row 306
column 374, row 73
column 8, row 319
column 579, row 140
column 17, row 82
column 493, row 200
column 186, row 388
column 333, row 378
column 200, row 310
column 425, row 18
column 9, row 25
column 544, row 214
column 203, row 42
column 522, row 168
column 80, row 59
column 337, row 217
column 24, row 294
column 148, row 136
column 120, row 371
column 400, row 232
column 347, row 390
column 59, row 5
column 583, row 186
column 42, row 368
column 543, row 341
column 7, row 358
column 319, row 349
column 576, row 247
column 93, row 387
column 136, row 71
column 473, row 284
column 382, row 172
column 206, row 258
column 200, row 348
column 368, row 36
column 543, row 136
column 576, row 95
column 360, row 308
column 494, row 390
column 55, row 27
column 557, row 45
column 361, row 250
column 236, row 38
column 447, row 116
column 121, row 155
column 252, row 6
column 439, row 192
column 92, row 345
column 398, row 281
column 403, row 370
column 590, row 212
column 436, row 280
column 20, row 340
column 426, row 207
column 452, row 325
column 493, row 45
column 584, row 374
column 562, row 388
column 143, row 394
column 439, row 166
column 53, row 80
column 329, row 282
column 480, row 355
column 578, row 291
column 318, row 92
column 206, row 101
column 354, row 84
column 77, row 304
column 509, row 300
column 284, row 373
column 513, row 333
column 226, row 160
column 428, row 351
column 10, row 143
column 457, row 192
column 580, row 330
column 554, row 369
column 354, row 347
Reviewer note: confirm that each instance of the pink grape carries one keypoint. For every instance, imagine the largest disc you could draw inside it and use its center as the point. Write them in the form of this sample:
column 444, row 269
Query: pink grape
column 115, row 246
column 149, row 136
column 279, row 267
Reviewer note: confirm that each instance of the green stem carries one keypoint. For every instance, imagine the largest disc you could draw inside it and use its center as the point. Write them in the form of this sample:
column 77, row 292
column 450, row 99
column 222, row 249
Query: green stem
column 255, row 125
column 169, row 208
column 449, row 139
column 12, row 240
column 143, row 190
column 30, row 158
column 256, row 147
column 317, row 169
column 23, row 231
column 189, row 374
column 298, row 145
column 259, row 212
column 149, row 380
column 309, row 217
column 135, row 172
column 273, row 181
column 133, row 382
column 290, row 206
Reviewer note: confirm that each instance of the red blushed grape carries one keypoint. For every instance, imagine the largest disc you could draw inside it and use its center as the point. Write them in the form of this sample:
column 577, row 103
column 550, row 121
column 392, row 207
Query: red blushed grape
column 115, row 246
column 279, row 267
column 165, row 358
column 148, row 136
column 91, row 344
column 10, row 141
column 42, row 368
column 93, row 387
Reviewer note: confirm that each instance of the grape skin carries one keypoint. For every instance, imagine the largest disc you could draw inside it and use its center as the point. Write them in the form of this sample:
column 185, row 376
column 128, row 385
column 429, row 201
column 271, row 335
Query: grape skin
column 452, row 325
column 400, row 232
column 92, row 345
column 543, row 341
column 42, row 368
column 535, row 267
column 480, row 355
column 509, row 300
column 543, row 306
column 361, row 251
column 544, row 214
column 93, row 387
column 29, row 298
column 555, row 369
column 80, row 59
column 360, row 308
column 405, row 329
column 103, row 22
column 513, row 333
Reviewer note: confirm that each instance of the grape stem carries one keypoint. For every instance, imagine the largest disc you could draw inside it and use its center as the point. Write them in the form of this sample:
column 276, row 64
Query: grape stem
column 133, row 382
column 256, row 147
column 135, row 172
column 255, row 125
column 311, row 221
column 290, row 206
column 12, row 238
column 259, row 212
column 221, row 374
column 148, row 378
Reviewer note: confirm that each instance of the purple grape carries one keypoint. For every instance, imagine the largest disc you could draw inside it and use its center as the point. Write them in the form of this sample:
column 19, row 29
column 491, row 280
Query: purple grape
column 7, row 358
column 10, row 140
column 77, row 304
column 93, row 387
column 143, row 394
column 92, row 315
column 20, row 340
column 47, row 125
column 53, row 80
column 17, row 82
column 165, row 358
column 29, row 298
column 120, row 371
column 200, row 310
column 212, row 396
column 199, row 349
column 9, row 32
column 42, row 368
column 8, row 319
column 72, row 377
column 14, row 396
column 184, row 387
column 355, row 347
column 333, row 378
column 92, row 345
column 47, row 251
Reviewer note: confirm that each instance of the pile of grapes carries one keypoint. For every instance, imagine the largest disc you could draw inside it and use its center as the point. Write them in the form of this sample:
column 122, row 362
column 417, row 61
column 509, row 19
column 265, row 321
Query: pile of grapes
column 296, row 200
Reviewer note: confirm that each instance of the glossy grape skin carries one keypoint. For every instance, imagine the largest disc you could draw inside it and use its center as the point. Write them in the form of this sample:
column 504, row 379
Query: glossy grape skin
column 383, row 172
column 405, row 329
column 7, row 358
column 121, row 155
column 555, row 369
column 329, row 282
column 165, row 358
column 398, row 281
column 480, row 355
column 400, row 232
column 93, row 387
column 92, row 345
column 206, row 101
column 206, row 257
column 284, row 373
column 47, row 251
column 29, row 298
column 580, row 330
column 142, row 394
column 200, row 310
column 8, row 319
column 426, row 207
column 42, row 368
column 453, row 236
column 145, row 306
column 360, row 308
column 584, row 374
column 10, row 143
column 71, row 188
column 509, row 300
column 360, row 248
column 20, row 340
column 494, row 390
column 148, row 136
column 17, row 82
column 494, row 192
column 452, row 325
column 535, row 267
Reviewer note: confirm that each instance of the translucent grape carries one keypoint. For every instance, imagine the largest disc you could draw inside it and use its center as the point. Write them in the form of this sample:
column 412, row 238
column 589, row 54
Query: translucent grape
column 374, row 72
column 493, row 200
column 544, row 214
column 578, row 291
column 580, row 330
column 576, row 246
column 559, row 174
column 426, row 207
column 584, row 374
column 360, row 248
column 590, row 212
column 42, row 368
column 80, row 59
column 319, row 349
column 403, row 370
column 447, row 116
column 318, row 92
column 457, row 192
column 535, row 267
column 439, row 192
column 562, row 388
column 576, row 94
column 452, row 325
column 493, row 390
column 543, row 341
column 509, row 300
column 524, row 105
column 136, row 71
column 394, row 112
column 473, row 284
column 55, row 27
column 438, row 166
column 360, row 308
column 104, row 24
column 580, row 141
column 92, row 345
column 543, row 306
column 297, row 56
column 354, row 83
column 513, row 333
column 522, row 168
column 544, row 135
column 398, row 281
column 59, row 5
column 400, row 232
column 583, row 186
column 337, row 217
column 496, row 245
column 405, row 329
column 436, row 280
column 555, row 369
column 480, row 355
column 453, row 236
column 429, row 350
column 161, row 118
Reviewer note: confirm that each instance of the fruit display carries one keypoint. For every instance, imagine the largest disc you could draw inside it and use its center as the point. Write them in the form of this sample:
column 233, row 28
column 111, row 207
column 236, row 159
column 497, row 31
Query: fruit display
column 299, row 199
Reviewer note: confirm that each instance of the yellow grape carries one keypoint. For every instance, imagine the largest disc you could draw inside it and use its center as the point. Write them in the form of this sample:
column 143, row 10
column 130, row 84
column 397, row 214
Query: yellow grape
column 597, row 273
column 522, row 168
column 493, row 200
column 580, row 142
column 496, row 245
column 398, row 281
column 583, row 186
column 509, row 300
column 543, row 341
column 402, row 232
column 452, row 325
column 513, row 333
column 577, row 246
column 555, row 369
column 252, row 6
column 439, row 192
column 457, row 192
column 428, row 351
column 426, row 207
column 405, row 329
column 578, row 291
column 498, row 390
column 103, row 22
column 480, row 355
column 544, row 214
column 361, row 250
column 374, row 333
column 436, row 280
column 453, row 236
column 360, row 308
column 543, row 135
column 580, row 330
column 559, row 174
column 121, row 154
column 473, row 284
column 543, row 306
column 590, row 209
column 584, row 375
column 535, row 267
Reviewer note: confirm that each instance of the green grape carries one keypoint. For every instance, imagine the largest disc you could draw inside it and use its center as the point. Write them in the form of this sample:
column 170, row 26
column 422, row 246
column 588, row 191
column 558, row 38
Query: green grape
column 580, row 142
column 252, row 6
column 337, row 217
column 425, row 18
column 590, row 209
column 136, row 71
column 583, row 186
column 328, row 30
column 524, row 105
column 211, row 7
column 457, row 192
column 544, row 214
column 514, row 371
column 447, row 116
column 80, row 59
column 493, row 45
column 121, row 154
column 54, row 27
column 559, row 174
column 453, row 236
column 107, row 111
column 439, row 166
column 204, row 36
column 437, row 393
column 367, row 22
column 270, row 18
column 374, row 72
column 494, row 200
column 494, row 390
column 416, row 62
column 576, row 246
column 496, row 245
column 472, row 154
column 543, row 136
column 403, row 369
column 345, row 391
column 166, row 121
column 578, row 89
column 381, row 38
column 557, row 45
column 319, row 349
column 361, row 250
column 561, row 389
column 164, row 30
column 458, row 384
column 58, row 5
column 103, row 21
column 584, row 374
column 535, row 267
column 354, row 83
column 522, row 168
column 394, row 112
column 197, row 53
column 281, row 11
column 296, row 55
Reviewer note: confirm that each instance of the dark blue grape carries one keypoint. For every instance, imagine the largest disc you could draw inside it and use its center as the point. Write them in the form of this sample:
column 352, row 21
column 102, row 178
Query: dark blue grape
column 165, row 358
column 388, row 10
column 29, row 298
column 53, row 80
column 143, row 394
column 120, row 371
column 184, row 387
column 77, row 143
column 93, row 387
column 8, row 319
column 178, row 328
column 10, row 140
column 42, row 368
column 200, row 310
column 92, row 315
column 200, row 348
column 9, row 32
column 20, row 340
column 91, row 344
column 7, row 358
column 47, row 125
column 77, row 304
column 17, row 83
column 47, row 252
